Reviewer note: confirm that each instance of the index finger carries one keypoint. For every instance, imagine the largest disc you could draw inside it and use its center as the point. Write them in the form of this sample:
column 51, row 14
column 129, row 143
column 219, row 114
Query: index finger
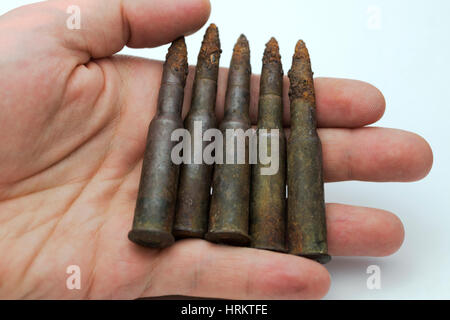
column 341, row 103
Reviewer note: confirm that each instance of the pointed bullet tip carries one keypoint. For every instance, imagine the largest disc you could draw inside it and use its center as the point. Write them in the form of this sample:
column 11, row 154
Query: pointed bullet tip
column 211, row 37
column 177, row 55
column 272, row 41
column 272, row 51
column 272, row 44
column 301, row 75
column 300, row 43
column 300, row 50
column 242, row 40
column 241, row 48
column 178, row 47
column 210, row 50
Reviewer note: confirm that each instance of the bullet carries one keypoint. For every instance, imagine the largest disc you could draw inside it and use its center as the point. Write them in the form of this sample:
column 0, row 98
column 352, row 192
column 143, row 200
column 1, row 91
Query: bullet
column 306, row 227
column 191, row 220
column 268, row 192
column 229, row 212
column 155, row 205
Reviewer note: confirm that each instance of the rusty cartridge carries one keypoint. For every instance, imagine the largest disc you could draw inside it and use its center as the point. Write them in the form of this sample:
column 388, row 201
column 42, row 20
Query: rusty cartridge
column 191, row 219
column 155, row 205
column 229, row 212
column 306, row 226
column 268, row 190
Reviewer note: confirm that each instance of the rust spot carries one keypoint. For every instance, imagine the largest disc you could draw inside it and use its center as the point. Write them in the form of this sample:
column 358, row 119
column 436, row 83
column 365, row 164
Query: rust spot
column 176, row 58
column 241, row 50
column 301, row 75
column 210, row 51
column 272, row 52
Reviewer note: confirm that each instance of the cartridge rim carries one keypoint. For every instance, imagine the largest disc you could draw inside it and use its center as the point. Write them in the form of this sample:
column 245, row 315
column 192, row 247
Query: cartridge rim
column 270, row 248
column 322, row 258
column 233, row 238
column 186, row 233
column 151, row 238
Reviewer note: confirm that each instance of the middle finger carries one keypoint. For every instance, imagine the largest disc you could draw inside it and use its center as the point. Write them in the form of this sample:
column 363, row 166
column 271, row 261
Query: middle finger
column 373, row 154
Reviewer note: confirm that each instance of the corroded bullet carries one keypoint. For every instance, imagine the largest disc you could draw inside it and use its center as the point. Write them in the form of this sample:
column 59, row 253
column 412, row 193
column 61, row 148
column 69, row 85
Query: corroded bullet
column 306, row 227
column 155, row 206
column 229, row 212
column 268, row 191
column 191, row 219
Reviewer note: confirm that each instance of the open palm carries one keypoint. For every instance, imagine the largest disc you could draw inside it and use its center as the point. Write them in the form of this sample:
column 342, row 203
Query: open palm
column 73, row 125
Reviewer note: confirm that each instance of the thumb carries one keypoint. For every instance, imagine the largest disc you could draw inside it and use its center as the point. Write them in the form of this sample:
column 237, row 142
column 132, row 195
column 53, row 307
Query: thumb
column 106, row 26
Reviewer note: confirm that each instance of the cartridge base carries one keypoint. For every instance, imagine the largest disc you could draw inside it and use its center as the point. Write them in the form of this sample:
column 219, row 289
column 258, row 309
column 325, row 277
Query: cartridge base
column 322, row 258
column 269, row 248
column 151, row 238
column 229, row 237
column 185, row 233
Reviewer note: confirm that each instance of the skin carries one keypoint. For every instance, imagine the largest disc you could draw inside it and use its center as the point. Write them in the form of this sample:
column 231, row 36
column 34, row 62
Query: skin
column 74, row 121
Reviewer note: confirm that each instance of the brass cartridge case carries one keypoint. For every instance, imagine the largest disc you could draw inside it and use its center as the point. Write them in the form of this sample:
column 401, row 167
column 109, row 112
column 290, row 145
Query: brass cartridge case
column 306, row 227
column 229, row 212
column 268, row 192
column 191, row 220
column 155, row 205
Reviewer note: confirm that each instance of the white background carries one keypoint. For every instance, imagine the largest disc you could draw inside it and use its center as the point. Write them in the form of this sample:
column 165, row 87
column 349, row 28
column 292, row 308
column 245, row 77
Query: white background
column 403, row 48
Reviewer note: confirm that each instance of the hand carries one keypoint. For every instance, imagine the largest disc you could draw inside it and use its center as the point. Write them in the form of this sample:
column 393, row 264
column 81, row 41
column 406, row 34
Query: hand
column 73, row 128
